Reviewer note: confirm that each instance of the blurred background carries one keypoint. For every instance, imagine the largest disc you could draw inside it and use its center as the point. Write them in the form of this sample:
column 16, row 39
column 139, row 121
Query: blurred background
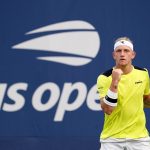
column 51, row 53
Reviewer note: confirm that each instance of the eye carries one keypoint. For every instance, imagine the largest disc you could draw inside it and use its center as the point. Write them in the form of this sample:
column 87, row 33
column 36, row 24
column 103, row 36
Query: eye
column 126, row 50
column 118, row 50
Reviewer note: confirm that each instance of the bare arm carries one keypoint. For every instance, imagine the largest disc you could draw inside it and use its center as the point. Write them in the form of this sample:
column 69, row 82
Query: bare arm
column 116, row 75
column 146, row 101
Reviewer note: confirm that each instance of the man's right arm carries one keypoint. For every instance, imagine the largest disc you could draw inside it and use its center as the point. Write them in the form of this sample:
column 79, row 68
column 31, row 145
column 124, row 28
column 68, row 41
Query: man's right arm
column 108, row 102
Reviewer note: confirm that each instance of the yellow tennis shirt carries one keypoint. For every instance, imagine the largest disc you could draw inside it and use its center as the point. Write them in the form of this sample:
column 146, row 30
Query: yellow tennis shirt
column 128, row 118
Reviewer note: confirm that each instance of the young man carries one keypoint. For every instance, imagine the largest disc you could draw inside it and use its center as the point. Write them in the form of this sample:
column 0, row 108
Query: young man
column 124, row 90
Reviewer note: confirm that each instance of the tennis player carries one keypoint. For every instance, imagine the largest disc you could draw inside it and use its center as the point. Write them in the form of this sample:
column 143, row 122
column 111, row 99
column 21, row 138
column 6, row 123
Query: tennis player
column 124, row 90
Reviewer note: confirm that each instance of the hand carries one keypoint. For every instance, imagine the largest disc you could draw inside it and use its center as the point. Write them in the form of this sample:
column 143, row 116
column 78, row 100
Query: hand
column 116, row 76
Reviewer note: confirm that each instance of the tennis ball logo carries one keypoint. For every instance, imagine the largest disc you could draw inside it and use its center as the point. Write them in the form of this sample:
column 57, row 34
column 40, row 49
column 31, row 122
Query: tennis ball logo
column 74, row 43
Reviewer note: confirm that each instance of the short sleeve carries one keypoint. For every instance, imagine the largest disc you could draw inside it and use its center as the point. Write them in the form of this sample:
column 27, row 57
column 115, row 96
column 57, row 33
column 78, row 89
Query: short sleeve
column 147, row 88
column 103, row 84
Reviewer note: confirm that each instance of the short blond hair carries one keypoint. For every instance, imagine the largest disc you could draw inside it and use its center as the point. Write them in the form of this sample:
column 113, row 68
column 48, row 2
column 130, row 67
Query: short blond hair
column 123, row 38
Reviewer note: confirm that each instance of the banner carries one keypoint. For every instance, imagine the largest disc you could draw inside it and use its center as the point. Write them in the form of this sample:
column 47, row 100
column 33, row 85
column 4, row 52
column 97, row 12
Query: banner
column 51, row 55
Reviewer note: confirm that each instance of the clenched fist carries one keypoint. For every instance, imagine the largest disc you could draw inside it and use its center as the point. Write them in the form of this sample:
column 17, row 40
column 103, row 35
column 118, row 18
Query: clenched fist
column 116, row 76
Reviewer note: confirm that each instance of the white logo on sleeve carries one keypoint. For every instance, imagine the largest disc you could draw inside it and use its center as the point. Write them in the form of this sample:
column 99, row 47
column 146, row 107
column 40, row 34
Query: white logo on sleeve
column 75, row 42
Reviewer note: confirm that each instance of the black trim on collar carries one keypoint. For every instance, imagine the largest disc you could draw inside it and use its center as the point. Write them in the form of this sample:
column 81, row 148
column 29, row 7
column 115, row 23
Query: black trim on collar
column 107, row 73
column 138, row 68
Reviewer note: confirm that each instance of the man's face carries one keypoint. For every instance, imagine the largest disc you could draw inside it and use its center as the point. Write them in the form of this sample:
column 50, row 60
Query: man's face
column 123, row 55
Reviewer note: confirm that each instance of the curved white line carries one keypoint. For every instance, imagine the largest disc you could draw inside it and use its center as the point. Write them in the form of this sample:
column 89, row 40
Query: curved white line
column 72, row 61
column 82, row 43
column 67, row 25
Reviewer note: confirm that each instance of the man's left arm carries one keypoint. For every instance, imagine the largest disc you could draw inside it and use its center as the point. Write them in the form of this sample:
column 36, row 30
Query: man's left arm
column 146, row 96
column 146, row 101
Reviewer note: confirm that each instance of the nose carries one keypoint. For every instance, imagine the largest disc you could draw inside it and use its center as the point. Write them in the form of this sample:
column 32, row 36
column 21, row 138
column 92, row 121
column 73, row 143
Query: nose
column 122, row 53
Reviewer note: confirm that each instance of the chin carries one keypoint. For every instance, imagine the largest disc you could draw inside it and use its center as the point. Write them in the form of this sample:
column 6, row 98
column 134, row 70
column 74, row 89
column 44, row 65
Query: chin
column 122, row 65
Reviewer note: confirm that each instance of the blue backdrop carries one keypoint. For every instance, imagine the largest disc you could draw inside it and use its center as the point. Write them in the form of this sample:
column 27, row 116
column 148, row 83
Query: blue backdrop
column 52, row 52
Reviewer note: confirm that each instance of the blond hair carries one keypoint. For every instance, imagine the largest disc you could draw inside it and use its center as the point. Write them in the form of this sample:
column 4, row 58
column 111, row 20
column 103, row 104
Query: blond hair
column 123, row 38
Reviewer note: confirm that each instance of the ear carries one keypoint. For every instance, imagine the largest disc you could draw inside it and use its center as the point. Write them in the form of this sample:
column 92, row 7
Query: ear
column 113, row 54
column 133, row 54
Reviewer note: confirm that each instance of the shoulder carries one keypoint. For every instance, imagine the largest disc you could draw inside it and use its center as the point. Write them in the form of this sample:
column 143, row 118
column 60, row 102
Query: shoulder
column 105, row 75
column 140, row 69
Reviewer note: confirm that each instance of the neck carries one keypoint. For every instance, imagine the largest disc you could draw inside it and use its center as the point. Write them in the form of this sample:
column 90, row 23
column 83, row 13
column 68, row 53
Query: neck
column 126, row 69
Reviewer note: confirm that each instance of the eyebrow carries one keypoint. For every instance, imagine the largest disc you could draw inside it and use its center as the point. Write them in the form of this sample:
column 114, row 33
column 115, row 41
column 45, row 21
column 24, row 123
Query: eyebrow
column 126, row 49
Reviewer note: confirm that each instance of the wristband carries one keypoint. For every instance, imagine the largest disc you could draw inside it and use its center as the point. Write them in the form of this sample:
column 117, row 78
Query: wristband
column 111, row 98
column 112, row 95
